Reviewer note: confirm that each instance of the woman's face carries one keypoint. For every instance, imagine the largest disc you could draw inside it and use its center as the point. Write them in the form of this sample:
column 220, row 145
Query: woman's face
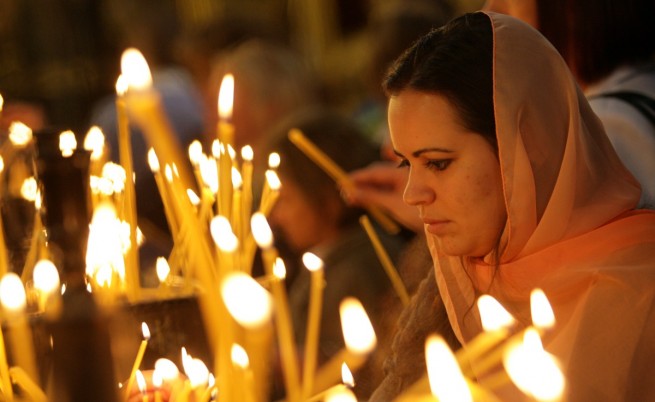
column 525, row 10
column 454, row 174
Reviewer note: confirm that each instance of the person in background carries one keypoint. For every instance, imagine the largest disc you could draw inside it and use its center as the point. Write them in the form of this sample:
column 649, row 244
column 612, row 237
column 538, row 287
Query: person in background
column 311, row 216
column 518, row 187
column 607, row 46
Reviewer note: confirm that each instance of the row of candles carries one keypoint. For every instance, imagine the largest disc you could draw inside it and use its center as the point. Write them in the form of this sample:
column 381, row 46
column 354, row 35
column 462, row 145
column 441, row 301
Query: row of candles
column 215, row 245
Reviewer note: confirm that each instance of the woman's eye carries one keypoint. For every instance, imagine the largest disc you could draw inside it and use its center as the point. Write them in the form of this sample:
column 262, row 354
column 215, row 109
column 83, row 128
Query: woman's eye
column 438, row 164
column 403, row 163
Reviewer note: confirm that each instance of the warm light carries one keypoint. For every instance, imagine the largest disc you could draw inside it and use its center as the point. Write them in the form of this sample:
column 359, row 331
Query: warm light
column 312, row 261
column 2, row 102
column 12, row 292
column 221, row 232
column 279, row 270
column 67, row 143
column 209, row 173
column 273, row 160
column 493, row 314
column 347, row 376
column 135, row 70
column 2, row 164
column 29, row 189
column 196, row 371
column 358, row 333
column 340, row 395
column 163, row 269
column 195, row 152
column 542, row 313
column 533, row 370
column 145, row 331
column 247, row 154
column 95, row 142
column 226, row 97
column 237, row 181
column 246, row 300
column 273, row 180
column 116, row 175
column 19, row 134
column 153, row 161
column 261, row 231
column 157, row 379
column 193, row 197
column 217, row 149
column 167, row 369
column 104, row 247
column 231, row 152
column 103, row 275
column 141, row 382
column 46, row 276
column 121, row 85
column 168, row 173
column 240, row 356
column 446, row 380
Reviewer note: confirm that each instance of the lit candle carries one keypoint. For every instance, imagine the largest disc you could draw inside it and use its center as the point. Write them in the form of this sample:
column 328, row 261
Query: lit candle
column 244, row 378
column 226, row 240
column 164, row 193
column 237, row 223
column 274, row 267
column 385, row 260
column 360, row 340
column 447, row 382
column 142, row 385
column 139, row 356
column 157, row 382
column 348, row 382
column 246, row 189
column 226, row 138
column 195, row 156
column 67, row 143
column 125, row 155
column 270, row 192
column 46, row 281
column 315, row 267
column 13, row 300
column 198, row 374
column 340, row 394
column 338, row 175
column 542, row 313
column 24, row 382
column 94, row 142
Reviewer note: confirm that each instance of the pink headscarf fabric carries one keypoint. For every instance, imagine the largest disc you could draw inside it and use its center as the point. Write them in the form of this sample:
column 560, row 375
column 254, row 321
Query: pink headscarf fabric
column 571, row 228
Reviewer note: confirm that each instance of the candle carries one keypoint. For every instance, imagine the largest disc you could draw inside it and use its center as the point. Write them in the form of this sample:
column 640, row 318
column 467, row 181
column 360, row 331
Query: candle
column 338, row 175
column 153, row 162
column 274, row 267
column 139, row 356
column 447, row 382
column 246, row 189
column 360, row 340
column 24, row 382
column 94, row 142
column 237, row 223
column 541, row 310
column 340, row 394
column 244, row 378
column 4, row 370
column 3, row 246
column 348, row 382
column 195, row 156
column 157, row 382
column 270, row 192
column 141, row 384
column 125, row 156
column 46, row 281
column 315, row 266
column 385, row 260
column 13, row 300
column 226, row 138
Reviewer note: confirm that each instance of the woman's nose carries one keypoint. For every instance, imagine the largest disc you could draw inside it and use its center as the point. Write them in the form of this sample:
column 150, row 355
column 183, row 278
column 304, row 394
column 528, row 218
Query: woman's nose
column 417, row 192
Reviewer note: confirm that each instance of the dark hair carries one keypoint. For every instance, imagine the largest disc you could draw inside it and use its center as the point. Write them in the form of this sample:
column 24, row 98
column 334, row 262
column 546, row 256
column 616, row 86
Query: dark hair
column 454, row 61
column 340, row 139
column 597, row 36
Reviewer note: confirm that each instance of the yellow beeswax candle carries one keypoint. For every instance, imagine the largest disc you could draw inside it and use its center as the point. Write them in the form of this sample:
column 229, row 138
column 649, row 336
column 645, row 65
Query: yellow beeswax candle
column 4, row 370
column 139, row 357
column 226, row 138
column 315, row 265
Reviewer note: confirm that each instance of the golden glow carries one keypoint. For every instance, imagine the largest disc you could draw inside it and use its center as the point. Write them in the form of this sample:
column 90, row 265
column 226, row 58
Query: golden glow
column 193, row 197
column 121, row 85
column 135, row 70
column 116, row 177
column 446, row 380
column 493, row 314
column 542, row 313
column 168, row 173
column 104, row 247
column 279, row 270
column 153, row 161
column 217, row 149
column 533, row 370
column 12, row 293
column 273, row 180
column 67, row 143
column 2, row 164
column 340, row 395
column 347, row 376
column 157, row 379
column 95, row 142
column 247, row 153
column 226, row 97
column 141, row 381
column 167, row 369
column 273, row 160
column 2, row 102
column 46, row 276
column 209, row 173
column 163, row 269
column 239, row 356
column 29, row 189
column 221, row 232
column 19, row 134
column 237, row 181
column 195, row 152
column 358, row 333
column 261, row 230
column 195, row 369
column 145, row 331
column 312, row 262
column 246, row 300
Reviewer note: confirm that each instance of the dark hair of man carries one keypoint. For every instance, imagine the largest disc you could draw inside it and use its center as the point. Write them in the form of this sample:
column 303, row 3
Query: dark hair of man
column 454, row 61
column 597, row 36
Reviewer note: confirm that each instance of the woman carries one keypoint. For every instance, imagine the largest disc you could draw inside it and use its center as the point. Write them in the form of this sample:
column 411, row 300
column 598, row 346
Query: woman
column 518, row 187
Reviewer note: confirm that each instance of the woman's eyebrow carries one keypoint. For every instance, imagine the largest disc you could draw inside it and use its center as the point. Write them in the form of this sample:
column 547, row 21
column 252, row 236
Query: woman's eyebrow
column 418, row 153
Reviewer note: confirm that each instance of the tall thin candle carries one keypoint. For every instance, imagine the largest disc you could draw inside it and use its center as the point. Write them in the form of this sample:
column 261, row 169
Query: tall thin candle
column 315, row 266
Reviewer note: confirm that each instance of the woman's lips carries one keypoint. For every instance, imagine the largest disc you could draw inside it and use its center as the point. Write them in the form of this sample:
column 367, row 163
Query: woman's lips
column 436, row 227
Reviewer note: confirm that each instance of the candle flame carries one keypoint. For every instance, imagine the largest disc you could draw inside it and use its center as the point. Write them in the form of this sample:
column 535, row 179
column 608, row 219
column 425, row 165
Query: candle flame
column 217, row 148
column 153, row 161
column 347, row 376
column 121, row 85
column 12, row 293
column 193, row 197
column 145, row 331
column 19, row 134
column 273, row 160
column 226, row 97
column 195, row 152
column 247, row 153
column 105, row 249
column 312, row 262
column 358, row 333
column 221, row 232
column 240, row 356
column 168, row 173
column 115, row 176
column 46, row 276
column 246, row 300
column 231, row 152
column 493, row 314
column 237, row 181
column 261, row 231
column 273, row 180
column 533, row 370
column 135, row 70
column 197, row 372
column 67, row 143
column 29, row 189
column 157, row 379
column 446, row 380
column 542, row 313
column 340, row 395
column 163, row 269
column 2, row 102
column 167, row 369
column 209, row 173
column 279, row 270
column 2, row 164
column 95, row 142
column 141, row 382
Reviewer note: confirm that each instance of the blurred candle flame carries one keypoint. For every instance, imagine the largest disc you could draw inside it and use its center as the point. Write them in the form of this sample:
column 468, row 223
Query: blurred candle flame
column 542, row 312
column 273, row 160
column 195, row 152
column 261, row 230
column 145, row 331
column 312, row 262
column 446, row 380
column 153, row 161
column 279, row 270
column 141, row 382
column 135, row 70
column 226, row 97
column 121, row 85
column 222, row 233
column 246, row 300
column 247, row 153
column 347, row 376
column 272, row 179
column 19, row 134
column 94, row 141
column 493, row 314
column 29, row 189
column 67, row 143
column 167, row 369
column 358, row 332
column 163, row 269
column 12, row 293
column 240, row 356
column 46, row 276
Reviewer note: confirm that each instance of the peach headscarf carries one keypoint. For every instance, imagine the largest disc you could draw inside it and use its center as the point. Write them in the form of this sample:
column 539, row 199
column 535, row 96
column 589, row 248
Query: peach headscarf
column 571, row 228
